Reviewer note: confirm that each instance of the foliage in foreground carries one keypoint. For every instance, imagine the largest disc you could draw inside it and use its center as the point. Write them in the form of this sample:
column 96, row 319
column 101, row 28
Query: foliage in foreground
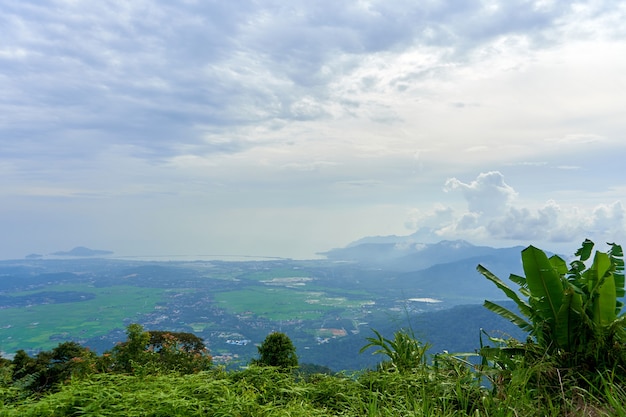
column 405, row 352
column 573, row 316
column 450, row 389
column 143, row 352
column 574, row 310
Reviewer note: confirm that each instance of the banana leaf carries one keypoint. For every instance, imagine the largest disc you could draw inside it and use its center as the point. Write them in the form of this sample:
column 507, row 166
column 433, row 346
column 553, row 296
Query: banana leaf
column 603, row 296
column 523, row 306
column 544, row 284
column 519, row 280
column 617, row 258
column 585, row 251
column 559, row 265
column 509, row 315
column 568, row 321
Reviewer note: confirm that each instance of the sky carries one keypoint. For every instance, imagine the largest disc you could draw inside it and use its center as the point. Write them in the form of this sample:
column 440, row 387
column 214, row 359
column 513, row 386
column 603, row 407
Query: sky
column 287, row 128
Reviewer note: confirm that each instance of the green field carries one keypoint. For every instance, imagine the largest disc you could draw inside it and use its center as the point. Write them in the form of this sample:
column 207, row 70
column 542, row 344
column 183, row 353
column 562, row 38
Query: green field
column 45, row 326
column 278, row 303
column 268, row 274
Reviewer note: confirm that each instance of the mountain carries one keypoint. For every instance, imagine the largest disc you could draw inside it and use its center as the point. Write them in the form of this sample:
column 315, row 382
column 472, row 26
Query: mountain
column 395, row 253
column 458, row 282
column 81, row 251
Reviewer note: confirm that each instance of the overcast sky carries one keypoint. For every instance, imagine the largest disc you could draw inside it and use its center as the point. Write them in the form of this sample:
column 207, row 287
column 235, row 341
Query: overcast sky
column 286, row 128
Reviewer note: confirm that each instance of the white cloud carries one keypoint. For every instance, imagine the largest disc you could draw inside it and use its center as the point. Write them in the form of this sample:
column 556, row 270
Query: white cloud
column 494, row 214
column 526, row 224
column 487, row 195
column 575, row 139
column 608, row 220
column 421, row 219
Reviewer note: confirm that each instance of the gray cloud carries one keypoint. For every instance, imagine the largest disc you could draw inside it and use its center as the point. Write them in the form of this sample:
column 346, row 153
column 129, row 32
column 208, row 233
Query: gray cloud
column 149, row 72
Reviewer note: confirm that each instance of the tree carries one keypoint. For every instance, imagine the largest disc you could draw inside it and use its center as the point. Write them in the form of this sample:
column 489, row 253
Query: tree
column 160, row 350
column 179, row 351
column 131, row 353
column 69, row 360
column 277, row 350
column 6, row 371
column 48, row 369
column 22, row 364
column 187, row 342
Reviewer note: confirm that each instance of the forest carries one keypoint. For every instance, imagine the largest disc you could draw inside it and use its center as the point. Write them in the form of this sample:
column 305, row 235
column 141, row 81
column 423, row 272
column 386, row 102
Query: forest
column 572, row 363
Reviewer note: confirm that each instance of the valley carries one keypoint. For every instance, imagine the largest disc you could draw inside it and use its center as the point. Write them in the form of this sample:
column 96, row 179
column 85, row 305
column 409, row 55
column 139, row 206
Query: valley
column 327, row 307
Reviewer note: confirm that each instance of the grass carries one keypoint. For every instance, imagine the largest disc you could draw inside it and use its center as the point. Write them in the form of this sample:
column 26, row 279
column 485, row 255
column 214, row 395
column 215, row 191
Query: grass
column 259, row 391
column 404, row 385
column 44, row 326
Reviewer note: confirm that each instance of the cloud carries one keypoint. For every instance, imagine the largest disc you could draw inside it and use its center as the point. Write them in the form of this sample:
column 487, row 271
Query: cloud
column 576, row 139
column 440, row 214
column 608, row 220
column 487, row 195
column 150, row 72
column 494, row 214
column 526, row 224
column 118, row 106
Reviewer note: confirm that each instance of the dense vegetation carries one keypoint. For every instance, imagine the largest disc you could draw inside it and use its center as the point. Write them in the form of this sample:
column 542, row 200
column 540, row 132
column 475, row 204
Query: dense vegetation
column 573, row 363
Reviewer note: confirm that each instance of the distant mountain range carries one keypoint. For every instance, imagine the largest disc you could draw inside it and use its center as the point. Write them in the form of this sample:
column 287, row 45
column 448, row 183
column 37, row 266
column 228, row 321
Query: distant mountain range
column 402, row 253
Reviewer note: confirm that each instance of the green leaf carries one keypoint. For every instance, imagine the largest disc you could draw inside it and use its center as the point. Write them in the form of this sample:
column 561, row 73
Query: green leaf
column 618, row 327
column 604, row 286
column 519, row 280
column 544, row 283
column 509, row 315
column 568, row 320
column 576, row 310
column 523, row 306
column 559, row 265
column 616, row 255
column 585, row 251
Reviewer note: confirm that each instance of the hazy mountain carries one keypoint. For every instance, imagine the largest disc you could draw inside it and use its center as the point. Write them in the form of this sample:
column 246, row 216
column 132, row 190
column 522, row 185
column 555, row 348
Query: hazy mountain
column 402, row 254
column 458, row 282
column 81, row 251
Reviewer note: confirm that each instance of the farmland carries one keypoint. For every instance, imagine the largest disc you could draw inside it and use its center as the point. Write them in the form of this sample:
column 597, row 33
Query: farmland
column 44, row 325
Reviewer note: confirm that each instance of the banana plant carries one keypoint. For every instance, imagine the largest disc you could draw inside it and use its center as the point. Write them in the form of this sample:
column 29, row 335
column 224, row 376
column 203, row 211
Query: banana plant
column 567, row 309
column 405, row 352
